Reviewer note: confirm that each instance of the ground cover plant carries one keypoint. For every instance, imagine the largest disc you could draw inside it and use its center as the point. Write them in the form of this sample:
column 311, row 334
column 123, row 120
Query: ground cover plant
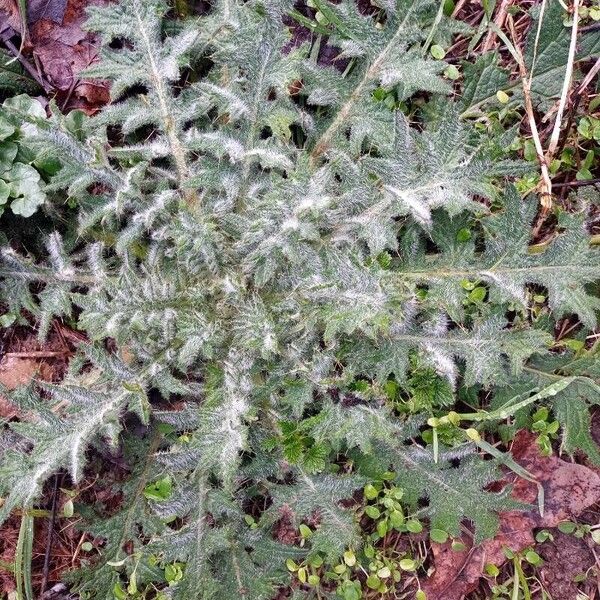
column 319, row 301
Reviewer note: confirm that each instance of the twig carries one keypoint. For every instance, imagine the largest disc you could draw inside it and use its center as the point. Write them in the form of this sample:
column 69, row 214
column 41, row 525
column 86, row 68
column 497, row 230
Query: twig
column 72, row 87
column 499, row 19
column 566, row 85
column 436, row 22
column 75, row 336
column 60, row 334
column 576, row 183
column 25, row 63
column 458, row 7
column 50, row 536
column 575, row 104
column 545, row 183
column 589, row 77
column 22, row 10
column 77, row 549
column 37, row 354
column 75, row 82
column 592, row 27
column 537, row 39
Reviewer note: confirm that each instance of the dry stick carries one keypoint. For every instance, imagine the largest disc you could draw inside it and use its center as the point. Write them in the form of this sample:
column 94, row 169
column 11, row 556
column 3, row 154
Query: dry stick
column 50, row 537
column 37, row 354
column 575, row 104
column 25, row 63
column 589, row 77
column 499, row 19
column 72, row 87
column 436, row 22
column 458, row 7
column 592, row 27
column 545, row 184
column 577, row 183
column 566, row 85
column 537, row 39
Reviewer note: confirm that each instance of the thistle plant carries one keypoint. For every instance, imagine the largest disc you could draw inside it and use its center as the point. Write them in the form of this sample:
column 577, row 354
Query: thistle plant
column 277, row 255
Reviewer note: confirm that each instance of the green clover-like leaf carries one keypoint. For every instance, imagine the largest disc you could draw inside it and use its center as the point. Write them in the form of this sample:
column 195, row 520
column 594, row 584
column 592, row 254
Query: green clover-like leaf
column 25, row 188
column 25, row 104
column 27, row 206
column 6, row 129
column 4, row 194
column 8, row 153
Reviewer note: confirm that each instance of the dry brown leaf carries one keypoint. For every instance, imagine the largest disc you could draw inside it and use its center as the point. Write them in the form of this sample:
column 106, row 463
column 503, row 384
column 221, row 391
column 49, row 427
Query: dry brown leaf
column 46, row 9
column 36, row 10
column 565, row 557
column 569, row 489
column 9, row 14
column 16, row 371
column 65, row 49
column 62, row 50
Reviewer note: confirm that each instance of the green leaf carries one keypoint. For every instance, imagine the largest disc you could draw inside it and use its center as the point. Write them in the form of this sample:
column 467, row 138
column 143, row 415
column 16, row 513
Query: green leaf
column 370, row 492
column 437, row 52
column 452, row 494
column 4, row 191
column 572, row 411
column 373, row 512
column 160, row 490
column 27, row 206
column 567, row 527
column 314, row 458
column 25, row 105
column 414, row 526
column 68, row 509
column 13, row 79
column 8, row 153
column 551, row 51
column 478, row 294
column 23, row 179
column 438, row 535
column 305, row 531
column 6, row 129
column 502, row 96
column 119, row 592
column 349, row 558
column 25, row 188
column 482, row 80
column 452, row 72
column 533, row 557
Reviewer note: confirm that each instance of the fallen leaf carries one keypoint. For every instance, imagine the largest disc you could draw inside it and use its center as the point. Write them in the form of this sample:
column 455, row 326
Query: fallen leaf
column 569, row 489
column 9, row 15
column 15, row 372
column 36, row 10
column 62, row 48
column 46, row 9
column 285, row 530
column 564, row 558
